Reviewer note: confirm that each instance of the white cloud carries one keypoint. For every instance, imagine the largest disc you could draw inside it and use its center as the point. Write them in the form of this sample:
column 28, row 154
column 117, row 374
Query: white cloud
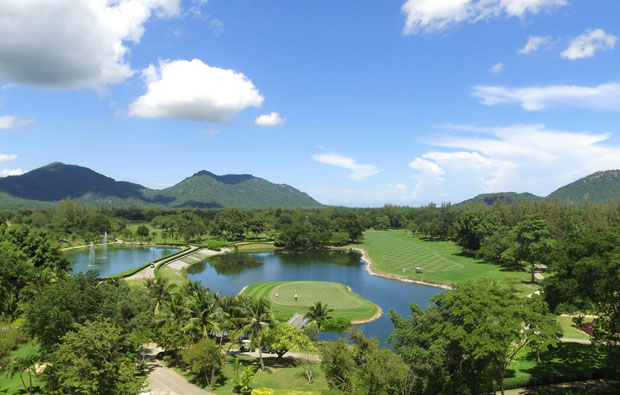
column 519, row 158
column 182, row 89
column 585, row 45
column 427, row 167
column 73, row 43
column 534, row 43
column 498, row 68
column 269, row 120
column 11, row 122
column 11, row 172
column 601, row 97
column 424, row 16
column 7, row 158
column 359, row 171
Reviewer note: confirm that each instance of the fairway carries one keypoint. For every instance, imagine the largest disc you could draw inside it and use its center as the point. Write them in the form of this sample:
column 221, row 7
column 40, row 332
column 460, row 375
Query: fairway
column 440, row 261
column 337, row 296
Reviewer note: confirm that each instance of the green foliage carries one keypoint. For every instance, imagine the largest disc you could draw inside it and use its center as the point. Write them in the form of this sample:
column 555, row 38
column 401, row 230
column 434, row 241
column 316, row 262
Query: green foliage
column 285, row 337
column 319, row 313
column 363, row 368
column 468, row 337
column 24, row 363
column 336, row 324
column 243, row 381
column 96, row 358
column 204, row 359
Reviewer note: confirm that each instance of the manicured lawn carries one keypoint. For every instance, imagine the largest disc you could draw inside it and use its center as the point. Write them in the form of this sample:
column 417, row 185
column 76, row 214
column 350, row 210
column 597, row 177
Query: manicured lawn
column 283, row 376
column 567, row 362
column 337, row 296
column 570, row 331
column 255, row 247
column 440, row 261
column 178, row 280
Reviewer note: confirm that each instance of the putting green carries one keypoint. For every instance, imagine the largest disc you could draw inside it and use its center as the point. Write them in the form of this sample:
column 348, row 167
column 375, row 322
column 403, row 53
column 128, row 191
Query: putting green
column 337, row 296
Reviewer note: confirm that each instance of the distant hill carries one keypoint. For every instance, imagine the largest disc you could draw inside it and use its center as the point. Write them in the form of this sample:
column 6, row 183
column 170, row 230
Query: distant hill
column 509, row 197
column 45, row 186
column 598, row 188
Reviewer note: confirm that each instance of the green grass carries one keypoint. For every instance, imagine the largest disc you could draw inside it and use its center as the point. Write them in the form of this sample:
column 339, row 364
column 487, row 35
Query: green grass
column 440, row 261
column 567, row 362
column 282, row 376
column 337, row 296
column 178, row 280
column 570, row 331
column 14, row 385
column 254, row 247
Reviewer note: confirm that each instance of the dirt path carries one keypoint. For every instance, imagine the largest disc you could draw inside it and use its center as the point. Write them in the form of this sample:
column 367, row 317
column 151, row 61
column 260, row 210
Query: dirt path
column 164, row 381
column 570, row 340
column 288, row 355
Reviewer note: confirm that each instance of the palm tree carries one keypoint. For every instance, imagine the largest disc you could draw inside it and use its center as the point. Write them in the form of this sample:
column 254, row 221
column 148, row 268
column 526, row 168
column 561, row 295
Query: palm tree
column 203, row 312
column 159, row 289
column 258, row 317
column 319, row 313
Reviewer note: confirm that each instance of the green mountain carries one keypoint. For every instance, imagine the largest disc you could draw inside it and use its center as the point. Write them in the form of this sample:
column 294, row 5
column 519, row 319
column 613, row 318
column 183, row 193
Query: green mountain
column 600, row 187
column 509, row 197
column 205, row 189
column 45, row 186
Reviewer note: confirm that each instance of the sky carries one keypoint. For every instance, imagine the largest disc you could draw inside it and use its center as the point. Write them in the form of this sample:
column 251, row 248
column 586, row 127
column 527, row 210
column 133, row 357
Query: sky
column 357, row 103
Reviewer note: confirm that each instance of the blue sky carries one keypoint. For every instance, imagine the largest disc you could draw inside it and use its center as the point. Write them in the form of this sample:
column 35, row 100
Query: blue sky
column 358, row 103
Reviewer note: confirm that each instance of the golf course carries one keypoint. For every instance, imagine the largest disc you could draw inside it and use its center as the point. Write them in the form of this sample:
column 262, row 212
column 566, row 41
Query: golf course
column 337, row 296
column 440, row 261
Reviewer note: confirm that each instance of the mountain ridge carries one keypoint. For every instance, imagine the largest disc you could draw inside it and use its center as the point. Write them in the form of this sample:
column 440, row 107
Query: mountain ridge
column 56, row 181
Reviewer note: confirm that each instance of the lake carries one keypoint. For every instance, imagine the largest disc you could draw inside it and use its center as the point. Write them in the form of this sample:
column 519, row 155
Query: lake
column 113, row 259
column 228, row 274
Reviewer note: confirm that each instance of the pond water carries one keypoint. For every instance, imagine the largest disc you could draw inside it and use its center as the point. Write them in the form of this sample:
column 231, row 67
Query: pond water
column 228, row 274
column 113, row 259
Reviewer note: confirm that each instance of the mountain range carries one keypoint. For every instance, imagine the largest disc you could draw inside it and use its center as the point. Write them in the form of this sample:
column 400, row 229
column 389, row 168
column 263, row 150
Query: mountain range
column 598, row 188
column 45, row 186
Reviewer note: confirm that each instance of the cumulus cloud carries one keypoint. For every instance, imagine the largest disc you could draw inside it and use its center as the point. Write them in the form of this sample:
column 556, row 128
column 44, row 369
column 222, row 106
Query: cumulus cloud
column 498, row 68
column 359, row 171
column 73, row 43
column 11, row 172
column 182, row 89
column 11, row 122
column 601, row 97
column 586, row 45
column 425, row 16
column 7, row 158
column 534, row 43
column 520, row 158
column 269, row 120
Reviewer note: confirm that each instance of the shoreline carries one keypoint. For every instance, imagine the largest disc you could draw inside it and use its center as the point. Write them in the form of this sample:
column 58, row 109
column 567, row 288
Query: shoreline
column 374, row 272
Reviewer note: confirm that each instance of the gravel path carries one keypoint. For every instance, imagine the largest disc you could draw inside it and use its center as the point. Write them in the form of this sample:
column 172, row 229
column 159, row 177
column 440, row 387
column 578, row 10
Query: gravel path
column 165, row 381
column 149, row 272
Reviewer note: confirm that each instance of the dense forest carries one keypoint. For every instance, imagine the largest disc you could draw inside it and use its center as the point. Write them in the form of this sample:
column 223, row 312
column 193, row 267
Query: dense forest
column 89, row 333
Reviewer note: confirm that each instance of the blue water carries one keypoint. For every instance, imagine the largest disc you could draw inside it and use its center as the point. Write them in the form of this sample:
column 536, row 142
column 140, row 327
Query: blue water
column 115, row 259
column 228, row 274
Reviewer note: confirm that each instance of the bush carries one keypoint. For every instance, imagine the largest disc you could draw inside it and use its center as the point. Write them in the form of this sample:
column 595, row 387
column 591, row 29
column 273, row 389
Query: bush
column 336, row 324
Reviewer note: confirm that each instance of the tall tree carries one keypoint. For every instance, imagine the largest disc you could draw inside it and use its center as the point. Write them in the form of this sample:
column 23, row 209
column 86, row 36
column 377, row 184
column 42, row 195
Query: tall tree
column 319, row 313
column 534, row 241
column 258, row 318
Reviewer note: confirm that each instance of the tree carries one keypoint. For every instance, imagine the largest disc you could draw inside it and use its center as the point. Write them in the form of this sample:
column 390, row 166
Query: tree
column 159, row 289
column 142, row 231
column 363, row 368
column 472, row 226
column 25, row 363
column 258, row 318
column 286, row 337
column 203, row 359
column 481, row 326
column 319, row 313
column 534, row 242
column 96, row 358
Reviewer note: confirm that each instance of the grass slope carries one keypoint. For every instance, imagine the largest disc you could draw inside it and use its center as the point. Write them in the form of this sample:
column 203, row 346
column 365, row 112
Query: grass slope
column 337, row 296
column 441, row 261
